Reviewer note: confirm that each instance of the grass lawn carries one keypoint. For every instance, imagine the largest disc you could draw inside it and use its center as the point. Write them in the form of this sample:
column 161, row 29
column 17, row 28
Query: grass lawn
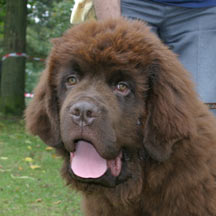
column 30, row 182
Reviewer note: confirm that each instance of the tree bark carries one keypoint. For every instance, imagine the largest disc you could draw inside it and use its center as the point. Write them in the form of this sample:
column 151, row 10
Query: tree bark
column 13, row 68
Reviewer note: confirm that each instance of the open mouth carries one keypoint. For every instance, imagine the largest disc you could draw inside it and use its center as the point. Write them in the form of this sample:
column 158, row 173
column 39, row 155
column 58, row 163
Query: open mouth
column 86, row 162
column 87, row 165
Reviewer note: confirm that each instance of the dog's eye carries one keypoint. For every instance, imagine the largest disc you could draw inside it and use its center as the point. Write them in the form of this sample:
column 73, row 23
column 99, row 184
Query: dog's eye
column 123, row 88
column 72, row 80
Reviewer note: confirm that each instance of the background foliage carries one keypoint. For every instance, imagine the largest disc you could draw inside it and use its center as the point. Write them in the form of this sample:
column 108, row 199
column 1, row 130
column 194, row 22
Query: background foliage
column 46, row 19
column 30, row 181
column 2, row 15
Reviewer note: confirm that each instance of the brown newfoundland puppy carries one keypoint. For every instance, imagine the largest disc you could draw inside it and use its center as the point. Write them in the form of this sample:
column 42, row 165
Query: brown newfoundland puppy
column 122, row 111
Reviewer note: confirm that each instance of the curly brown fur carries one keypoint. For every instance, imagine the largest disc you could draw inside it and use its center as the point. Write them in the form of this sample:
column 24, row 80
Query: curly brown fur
column 161, row 116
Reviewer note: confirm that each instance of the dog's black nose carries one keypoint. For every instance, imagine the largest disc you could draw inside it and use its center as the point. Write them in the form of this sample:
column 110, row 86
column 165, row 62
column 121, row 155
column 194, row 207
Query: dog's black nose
column 84, row 113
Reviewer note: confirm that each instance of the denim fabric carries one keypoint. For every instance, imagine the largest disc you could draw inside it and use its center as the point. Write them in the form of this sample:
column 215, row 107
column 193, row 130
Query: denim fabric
column 214, row 111
column 188, row 3
column 189, row 32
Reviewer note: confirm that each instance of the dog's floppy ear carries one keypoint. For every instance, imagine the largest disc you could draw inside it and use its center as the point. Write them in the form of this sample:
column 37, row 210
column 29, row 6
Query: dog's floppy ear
column 169, row 105
column 42, row 113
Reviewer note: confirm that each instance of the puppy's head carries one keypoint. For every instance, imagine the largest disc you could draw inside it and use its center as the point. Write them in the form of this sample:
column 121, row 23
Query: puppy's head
column 110, row 91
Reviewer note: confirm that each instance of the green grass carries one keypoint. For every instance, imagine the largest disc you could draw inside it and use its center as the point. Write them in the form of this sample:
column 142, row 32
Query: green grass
column 30, row 181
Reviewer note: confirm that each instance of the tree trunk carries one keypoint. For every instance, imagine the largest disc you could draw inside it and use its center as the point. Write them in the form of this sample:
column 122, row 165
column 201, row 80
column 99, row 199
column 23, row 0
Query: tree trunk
column 13, row 68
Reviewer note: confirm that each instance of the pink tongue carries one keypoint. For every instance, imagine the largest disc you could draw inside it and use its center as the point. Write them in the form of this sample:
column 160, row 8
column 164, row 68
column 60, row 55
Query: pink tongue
column 86, row 162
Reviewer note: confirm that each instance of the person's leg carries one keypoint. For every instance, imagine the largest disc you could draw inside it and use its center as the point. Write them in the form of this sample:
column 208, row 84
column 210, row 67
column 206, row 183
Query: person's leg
column 148, row 11
column 214, row 111
column 191, row 33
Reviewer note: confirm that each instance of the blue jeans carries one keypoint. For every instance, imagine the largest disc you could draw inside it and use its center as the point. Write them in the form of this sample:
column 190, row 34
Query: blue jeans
column 190, row 33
